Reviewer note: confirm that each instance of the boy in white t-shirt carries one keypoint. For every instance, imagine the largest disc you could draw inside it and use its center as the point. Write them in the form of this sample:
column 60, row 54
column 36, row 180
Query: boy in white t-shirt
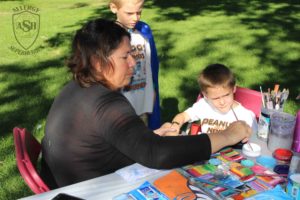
column 217, row 109
column 142, row 92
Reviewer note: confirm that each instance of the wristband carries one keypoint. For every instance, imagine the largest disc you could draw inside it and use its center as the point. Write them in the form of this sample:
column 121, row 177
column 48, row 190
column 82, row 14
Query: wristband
column 174, row 122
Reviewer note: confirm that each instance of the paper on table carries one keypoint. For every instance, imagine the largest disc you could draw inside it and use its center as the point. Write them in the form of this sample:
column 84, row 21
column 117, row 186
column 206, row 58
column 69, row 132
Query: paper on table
column 135, row 172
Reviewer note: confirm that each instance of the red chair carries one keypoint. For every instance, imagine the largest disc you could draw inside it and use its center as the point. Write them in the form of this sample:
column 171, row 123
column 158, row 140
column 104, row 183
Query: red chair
column 27, row 154
column 250, row 99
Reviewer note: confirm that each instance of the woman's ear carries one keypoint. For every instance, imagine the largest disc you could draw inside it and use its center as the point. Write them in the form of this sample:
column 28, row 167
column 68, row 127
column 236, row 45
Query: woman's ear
column 95, row 63
column 113, row 7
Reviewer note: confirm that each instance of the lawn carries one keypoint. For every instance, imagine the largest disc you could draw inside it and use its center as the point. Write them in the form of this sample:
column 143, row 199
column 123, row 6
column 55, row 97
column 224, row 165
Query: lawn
column 258, row 40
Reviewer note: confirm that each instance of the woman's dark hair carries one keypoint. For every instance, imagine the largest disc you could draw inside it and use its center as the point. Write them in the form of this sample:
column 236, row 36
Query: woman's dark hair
column 97, row 39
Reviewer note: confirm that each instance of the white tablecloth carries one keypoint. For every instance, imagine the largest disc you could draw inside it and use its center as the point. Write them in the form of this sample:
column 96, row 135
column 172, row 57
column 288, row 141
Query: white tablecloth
column 111, row 185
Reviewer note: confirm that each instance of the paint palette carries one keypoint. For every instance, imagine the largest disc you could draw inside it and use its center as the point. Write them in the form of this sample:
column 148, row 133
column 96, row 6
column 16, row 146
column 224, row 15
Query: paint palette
column 200, row 170
column 244, row 173
column 266, row 175
column 229, row 154
column 228, row 178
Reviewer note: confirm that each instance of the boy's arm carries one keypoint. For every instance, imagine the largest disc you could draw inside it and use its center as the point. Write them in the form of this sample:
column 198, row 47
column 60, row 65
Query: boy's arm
column 179, row 120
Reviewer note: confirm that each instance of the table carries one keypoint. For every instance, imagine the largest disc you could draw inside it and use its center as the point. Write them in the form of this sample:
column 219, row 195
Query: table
column 104, row 187
column 111, row 185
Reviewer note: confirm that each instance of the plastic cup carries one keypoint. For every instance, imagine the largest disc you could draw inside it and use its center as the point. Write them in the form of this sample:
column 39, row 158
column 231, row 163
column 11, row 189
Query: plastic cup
column 282, row 131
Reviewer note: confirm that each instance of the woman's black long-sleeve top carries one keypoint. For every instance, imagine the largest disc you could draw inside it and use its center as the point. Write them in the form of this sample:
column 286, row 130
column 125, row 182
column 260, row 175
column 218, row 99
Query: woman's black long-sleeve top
column 94, row 131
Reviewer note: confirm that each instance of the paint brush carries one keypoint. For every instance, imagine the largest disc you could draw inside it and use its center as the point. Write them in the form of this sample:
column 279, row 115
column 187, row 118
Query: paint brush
column 276, row 88
column 279, row 175
column 237, row 120
column 217, row 184
column 201, row 180
column 262, row 96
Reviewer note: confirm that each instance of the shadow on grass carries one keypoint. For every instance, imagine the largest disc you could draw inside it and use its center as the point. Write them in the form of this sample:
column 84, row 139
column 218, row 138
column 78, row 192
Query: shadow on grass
column 169, row 106
column 26, row 97
column 280, row 22
column 277, row 18
column 25, row 104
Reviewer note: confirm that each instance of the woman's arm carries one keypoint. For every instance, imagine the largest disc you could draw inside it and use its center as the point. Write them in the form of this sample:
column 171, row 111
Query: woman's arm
column 129, row 135
column 236, row 132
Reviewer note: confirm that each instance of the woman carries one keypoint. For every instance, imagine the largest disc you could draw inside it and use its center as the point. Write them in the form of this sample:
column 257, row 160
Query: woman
column 92, row 129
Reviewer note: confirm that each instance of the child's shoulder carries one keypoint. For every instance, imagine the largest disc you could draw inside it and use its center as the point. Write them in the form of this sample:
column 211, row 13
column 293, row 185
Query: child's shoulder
column 143, row 27
column 238, row 106
column 241, row 109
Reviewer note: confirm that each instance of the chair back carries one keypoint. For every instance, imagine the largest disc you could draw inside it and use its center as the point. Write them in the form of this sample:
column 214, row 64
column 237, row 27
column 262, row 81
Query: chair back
column 27, row 153
column 250, row 99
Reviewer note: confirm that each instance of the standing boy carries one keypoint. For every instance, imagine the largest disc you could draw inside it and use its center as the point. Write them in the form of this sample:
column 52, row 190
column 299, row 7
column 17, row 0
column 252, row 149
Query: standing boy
column 142, row 92
column 217, row 109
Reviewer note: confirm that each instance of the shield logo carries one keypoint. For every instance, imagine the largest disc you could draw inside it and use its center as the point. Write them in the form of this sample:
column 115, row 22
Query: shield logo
column 26, row 26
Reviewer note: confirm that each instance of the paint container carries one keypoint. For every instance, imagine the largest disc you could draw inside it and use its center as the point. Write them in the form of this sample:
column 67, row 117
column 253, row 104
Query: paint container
column 295, row 164
column 282, row 131
column 281, row 169
column 293, row 186
column 283, row 156
column 247, row 163
column 264, row 124
column 251, row 153
column 266, row 161
column 296, row 141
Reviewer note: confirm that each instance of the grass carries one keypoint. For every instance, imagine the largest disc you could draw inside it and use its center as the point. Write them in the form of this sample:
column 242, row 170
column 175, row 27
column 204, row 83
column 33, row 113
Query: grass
column 258, row 40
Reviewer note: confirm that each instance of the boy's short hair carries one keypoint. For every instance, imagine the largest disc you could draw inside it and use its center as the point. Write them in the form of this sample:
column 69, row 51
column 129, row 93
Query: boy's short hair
column 216, row 75
column 118, row 3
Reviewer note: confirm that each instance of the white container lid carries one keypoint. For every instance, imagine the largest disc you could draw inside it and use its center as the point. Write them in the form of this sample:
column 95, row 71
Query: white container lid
column 254, row 152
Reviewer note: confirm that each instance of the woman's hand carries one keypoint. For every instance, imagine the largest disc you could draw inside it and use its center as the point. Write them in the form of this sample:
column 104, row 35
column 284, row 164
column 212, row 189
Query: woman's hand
column 166, row 130
column 238, row 131
column 234, row 133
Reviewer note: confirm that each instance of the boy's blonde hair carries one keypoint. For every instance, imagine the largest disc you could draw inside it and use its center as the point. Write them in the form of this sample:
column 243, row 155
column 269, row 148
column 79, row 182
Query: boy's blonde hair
column 119, row 3
column 216, row 75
